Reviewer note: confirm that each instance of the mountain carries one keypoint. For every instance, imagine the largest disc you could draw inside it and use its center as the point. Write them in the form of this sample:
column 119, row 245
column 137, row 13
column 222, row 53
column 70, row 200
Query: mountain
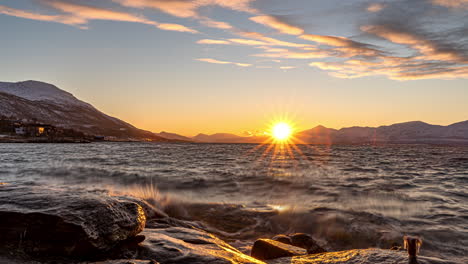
column 173, row 136
column 45, row 103
column 408, row 133
column 316, row 135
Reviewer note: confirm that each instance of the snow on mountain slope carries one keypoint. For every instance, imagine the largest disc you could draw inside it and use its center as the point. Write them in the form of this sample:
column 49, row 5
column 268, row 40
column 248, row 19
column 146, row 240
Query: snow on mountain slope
column 40, row 91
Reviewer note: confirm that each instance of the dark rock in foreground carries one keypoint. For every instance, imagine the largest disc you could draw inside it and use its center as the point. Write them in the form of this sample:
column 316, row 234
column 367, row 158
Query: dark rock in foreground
column 307, row 242
column 187, row 245
column 357, row 256
column 264, row 249
column 57, row 221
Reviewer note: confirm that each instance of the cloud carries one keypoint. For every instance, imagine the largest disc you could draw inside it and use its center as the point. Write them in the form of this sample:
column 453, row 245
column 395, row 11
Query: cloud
column 270, row 41
column 375, row 7
column 347, row 46
column 276, row 23
column 295, row 55
column 208, row 22
column 80, row 15
column 209, row 60
column 186, row 8
column 287, row 67
column 213, row 42
column 93, row 13
column 429, row 50
column 451, row 3
column 249, row 42
column 175, row 27
column 63, row 19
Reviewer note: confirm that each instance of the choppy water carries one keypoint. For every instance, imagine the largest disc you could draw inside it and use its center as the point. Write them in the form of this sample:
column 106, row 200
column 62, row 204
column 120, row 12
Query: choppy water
column 346, row 196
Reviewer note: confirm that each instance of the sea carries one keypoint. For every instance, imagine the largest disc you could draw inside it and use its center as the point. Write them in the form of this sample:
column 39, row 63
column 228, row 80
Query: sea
column 346, row 196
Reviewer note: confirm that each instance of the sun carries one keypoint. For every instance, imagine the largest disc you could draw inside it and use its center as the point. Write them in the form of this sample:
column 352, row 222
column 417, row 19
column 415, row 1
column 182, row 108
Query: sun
column 281, row 131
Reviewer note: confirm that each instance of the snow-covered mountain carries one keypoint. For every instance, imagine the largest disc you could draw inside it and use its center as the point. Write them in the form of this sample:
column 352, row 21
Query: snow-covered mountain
column 45, row 103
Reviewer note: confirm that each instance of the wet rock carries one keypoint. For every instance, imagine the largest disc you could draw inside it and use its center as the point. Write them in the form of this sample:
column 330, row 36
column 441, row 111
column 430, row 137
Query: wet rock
column 264, row 249
column 125, row 261
column 60, row 221
column 307, row 242
column 186, row 245
column 357, row 256
column 283, row 239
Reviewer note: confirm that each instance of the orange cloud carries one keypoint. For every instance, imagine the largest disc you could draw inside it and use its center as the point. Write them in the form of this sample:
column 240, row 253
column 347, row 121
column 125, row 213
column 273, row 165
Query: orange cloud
column 64, row 19
column 249, row 42
column 451, row 3
column 213, row 42
column 80, row 15
column 86, row 13
column 184, row 8
column 375, row 7
column 175, row 27
column 429, row 49
column 209, row 60
column 214, row 24
column 295, row 55
column 94, row 13
column 270, row 41
column 346, row 46
column 273, row 22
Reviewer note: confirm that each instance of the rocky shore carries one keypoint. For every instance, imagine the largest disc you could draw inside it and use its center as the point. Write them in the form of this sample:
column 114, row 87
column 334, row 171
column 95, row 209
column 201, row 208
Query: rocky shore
column 47, row 224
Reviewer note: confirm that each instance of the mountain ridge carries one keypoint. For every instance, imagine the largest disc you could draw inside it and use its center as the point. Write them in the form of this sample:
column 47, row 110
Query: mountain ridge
column 43, row 102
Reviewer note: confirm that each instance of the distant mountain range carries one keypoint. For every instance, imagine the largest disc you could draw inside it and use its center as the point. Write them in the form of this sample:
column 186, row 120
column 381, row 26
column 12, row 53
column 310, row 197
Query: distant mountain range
column 404, row 133
column 33, row 100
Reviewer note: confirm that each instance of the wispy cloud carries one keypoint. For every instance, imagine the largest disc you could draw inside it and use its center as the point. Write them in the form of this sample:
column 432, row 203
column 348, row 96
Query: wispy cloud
column 64, row 19
column 209, row 60
column 402, row 40
column 427, row 48
column 375, row 7
column 208, row 22
column 80, row 15
column 213, row 42
column 186, row 8
column 452, row 3
column 287, row 67
column 276, row 23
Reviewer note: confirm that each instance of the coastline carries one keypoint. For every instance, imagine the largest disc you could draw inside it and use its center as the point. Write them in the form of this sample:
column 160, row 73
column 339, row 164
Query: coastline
column 61, row 224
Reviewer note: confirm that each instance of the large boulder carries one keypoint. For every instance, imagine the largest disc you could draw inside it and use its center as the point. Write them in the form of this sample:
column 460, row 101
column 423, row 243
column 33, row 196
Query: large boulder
column 357, row 256
column 264, row 249
column 307, row 242
column 68, row 222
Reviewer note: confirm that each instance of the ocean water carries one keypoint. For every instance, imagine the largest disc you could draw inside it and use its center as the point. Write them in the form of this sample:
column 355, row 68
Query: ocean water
column 345, row 196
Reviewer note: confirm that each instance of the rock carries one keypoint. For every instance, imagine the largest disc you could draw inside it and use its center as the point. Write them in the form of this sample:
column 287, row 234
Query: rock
column 307, row 242
column 124, row 261
column 264, row 249
column 357, row 256
column 68, row 222
column 186, row 245
column 283, row 239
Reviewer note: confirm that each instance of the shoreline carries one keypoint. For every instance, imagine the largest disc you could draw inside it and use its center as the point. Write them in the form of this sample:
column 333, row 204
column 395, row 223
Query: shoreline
column 77, row 225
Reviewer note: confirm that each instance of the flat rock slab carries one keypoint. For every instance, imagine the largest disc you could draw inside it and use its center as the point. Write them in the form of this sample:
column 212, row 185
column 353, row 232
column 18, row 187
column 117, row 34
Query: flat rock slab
column 357, row 256
column 264, row 249
column 186, row 245
column 62, row 221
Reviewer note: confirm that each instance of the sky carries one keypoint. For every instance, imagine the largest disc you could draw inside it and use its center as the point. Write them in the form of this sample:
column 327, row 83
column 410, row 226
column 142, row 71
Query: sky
column 207, row 66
